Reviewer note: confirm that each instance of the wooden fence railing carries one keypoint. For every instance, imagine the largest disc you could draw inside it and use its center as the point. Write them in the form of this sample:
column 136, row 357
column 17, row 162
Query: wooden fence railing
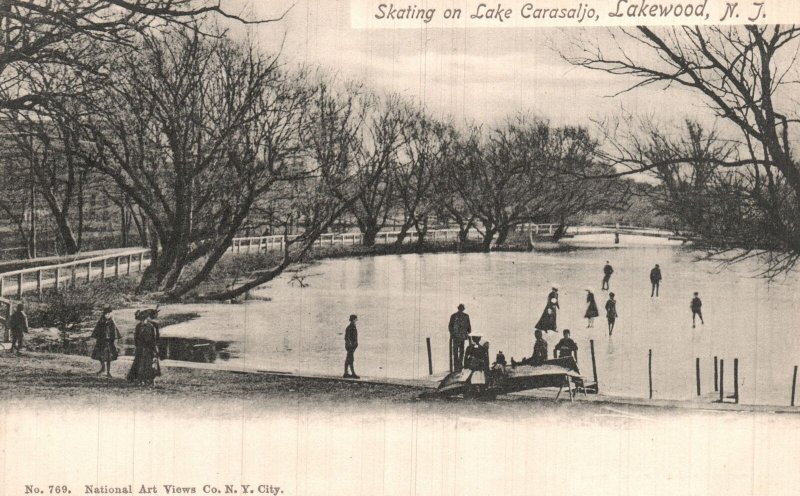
column 269, row 243
column 17, row 282
column 275, row 242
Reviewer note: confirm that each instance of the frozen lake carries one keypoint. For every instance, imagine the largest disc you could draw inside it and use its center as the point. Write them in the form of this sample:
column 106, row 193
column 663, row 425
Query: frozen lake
column 401, row 300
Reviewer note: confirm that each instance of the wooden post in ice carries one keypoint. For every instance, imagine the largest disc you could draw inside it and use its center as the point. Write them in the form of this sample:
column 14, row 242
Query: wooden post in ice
column 794, row 383
column 736, row 380
column 716, row 374
column 430, row 359
column 450, row 348
column 697, row 373
column 594, row 367
column 650, row 371
column 721, row 380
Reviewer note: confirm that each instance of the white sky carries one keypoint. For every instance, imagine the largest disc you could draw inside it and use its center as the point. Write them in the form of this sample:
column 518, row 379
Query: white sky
column 478, row 74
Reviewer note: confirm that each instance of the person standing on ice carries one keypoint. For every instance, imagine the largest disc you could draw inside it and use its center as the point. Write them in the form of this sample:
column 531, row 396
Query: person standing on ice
column 350, row 345
column 655, row 280
column 460, row 329
column 591, row 309
column 697, row 311
column 611, row 312
column 552, row 298
column 607, row 271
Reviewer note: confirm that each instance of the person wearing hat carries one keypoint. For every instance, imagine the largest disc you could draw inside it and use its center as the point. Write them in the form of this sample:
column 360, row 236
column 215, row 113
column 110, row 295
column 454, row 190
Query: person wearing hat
column 591, row 309
column 105, row 334
column 350, row 345
column 460, row 328
column 145, row 367
column 607, row 271
column 18, row 325
column 611, row 312
column 552, row 298
column 476, row 364
column 655, row 280
column 566, row 347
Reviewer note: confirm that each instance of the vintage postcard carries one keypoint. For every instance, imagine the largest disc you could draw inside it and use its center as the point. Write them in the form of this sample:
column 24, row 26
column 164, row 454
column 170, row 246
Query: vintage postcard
column 356, row 247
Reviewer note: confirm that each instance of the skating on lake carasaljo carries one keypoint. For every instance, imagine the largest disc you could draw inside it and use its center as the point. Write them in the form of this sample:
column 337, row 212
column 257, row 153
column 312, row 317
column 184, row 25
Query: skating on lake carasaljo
column 402, row 300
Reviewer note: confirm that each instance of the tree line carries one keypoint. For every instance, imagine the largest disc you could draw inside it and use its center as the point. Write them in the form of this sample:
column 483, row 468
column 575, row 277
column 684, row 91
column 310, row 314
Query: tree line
column 196, row 136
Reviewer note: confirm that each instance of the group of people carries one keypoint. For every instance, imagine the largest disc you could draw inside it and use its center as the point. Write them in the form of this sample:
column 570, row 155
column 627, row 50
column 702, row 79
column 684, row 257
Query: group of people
column 460, row 327
column 145, row 367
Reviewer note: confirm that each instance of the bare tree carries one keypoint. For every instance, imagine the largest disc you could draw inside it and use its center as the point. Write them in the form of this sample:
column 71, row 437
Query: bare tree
column 745, row 74
column 425, row 146
column 194, row 130
column 502, row 177
column 375, row 159
column 58, row 32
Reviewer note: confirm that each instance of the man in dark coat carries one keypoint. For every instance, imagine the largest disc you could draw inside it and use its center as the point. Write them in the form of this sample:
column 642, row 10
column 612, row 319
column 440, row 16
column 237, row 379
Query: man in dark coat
column 655, row 280
column 607, row 271
column 105, row 334
column 697, row 311
column 460, row 329
column 18, row 325
column 350, row 345
column 611, row 312
column 566, row 347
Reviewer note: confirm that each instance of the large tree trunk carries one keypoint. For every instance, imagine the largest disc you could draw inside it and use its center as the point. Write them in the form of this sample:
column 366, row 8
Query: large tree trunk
column 369, row 230
column 401, row 236
column 502, row 235
column 488, row 236
column 422, row 231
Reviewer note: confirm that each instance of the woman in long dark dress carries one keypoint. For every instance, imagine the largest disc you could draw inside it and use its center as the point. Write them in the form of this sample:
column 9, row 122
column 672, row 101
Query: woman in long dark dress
column 547, row 322
column 145, row 366
column 105, row 334
column 591, row 310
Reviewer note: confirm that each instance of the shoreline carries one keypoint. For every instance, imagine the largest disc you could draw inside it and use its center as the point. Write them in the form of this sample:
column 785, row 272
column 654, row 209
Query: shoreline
column 41, row 378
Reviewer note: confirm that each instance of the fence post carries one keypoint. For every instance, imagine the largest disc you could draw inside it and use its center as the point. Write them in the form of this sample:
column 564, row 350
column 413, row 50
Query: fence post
column 88, row 271
column 430, row 360
column 650, row 371
column 697, row 373
column 736, row 380
column 721, row 380
column 58, row 276
column 450, row 349
column 39, row 282
column 72, row 276
column 1, row 285
column 141, row 260
column 130, row 261
column 103, row 269
column 594, row 367
column 19, row 285
column 794, row 383
column 116, row 266
column 716, row 375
